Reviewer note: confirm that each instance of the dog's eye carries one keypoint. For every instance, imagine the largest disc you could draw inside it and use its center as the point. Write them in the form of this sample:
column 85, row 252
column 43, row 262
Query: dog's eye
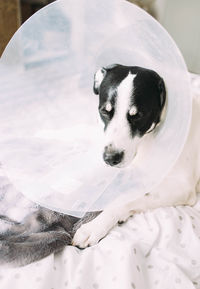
column 105, row 114
column 138, row 115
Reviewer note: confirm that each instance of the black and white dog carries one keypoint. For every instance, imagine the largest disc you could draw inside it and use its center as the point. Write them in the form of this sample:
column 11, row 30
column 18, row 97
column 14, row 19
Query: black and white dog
column 131, row 103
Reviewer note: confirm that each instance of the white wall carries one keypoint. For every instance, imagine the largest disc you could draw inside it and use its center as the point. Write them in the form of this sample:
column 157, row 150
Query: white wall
column 182, row 20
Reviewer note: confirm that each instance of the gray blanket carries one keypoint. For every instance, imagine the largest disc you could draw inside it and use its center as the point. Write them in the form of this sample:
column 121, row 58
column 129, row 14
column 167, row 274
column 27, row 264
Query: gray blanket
column 28, row 232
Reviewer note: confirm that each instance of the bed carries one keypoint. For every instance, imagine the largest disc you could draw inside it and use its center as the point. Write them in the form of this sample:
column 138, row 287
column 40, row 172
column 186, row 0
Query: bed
column 155, row 249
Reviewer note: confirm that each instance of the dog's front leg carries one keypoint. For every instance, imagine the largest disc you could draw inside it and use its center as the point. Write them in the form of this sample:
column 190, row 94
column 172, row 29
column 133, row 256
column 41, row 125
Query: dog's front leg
column 92, row 232
column 173, row 191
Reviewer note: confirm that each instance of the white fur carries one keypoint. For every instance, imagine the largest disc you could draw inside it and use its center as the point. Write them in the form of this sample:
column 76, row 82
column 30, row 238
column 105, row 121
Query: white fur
column 178, row 188
column 99, row 76
column 117, row 134
column 151, row 127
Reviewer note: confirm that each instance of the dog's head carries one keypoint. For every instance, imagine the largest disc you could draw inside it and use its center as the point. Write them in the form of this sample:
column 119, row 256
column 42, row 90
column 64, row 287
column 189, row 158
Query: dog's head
column 131, row 100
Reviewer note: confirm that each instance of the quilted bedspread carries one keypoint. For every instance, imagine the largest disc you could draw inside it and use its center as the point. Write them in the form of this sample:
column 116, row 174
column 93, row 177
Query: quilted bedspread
column 158, row 249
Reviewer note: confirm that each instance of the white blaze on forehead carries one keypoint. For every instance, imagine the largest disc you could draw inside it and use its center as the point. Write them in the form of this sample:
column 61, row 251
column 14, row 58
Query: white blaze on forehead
column 124, row 92
column 118, row 132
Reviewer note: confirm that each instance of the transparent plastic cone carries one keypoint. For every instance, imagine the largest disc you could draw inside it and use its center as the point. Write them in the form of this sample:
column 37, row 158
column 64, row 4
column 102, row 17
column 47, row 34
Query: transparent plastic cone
column 51, row 140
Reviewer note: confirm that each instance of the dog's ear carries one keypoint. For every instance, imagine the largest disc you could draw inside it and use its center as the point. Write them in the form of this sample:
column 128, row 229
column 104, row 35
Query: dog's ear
column 162, row 90
column 98, row 78
column 162, row 98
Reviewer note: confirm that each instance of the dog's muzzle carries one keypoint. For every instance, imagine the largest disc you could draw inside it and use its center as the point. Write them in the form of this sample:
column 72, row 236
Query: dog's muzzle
column 112, row 157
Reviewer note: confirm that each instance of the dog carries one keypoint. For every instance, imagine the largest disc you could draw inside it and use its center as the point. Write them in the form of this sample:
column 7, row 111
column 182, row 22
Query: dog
column 132, row 101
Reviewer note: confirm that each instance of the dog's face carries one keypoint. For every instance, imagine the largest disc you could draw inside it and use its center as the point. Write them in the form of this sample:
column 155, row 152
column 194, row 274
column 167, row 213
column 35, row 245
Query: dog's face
column 131, row 100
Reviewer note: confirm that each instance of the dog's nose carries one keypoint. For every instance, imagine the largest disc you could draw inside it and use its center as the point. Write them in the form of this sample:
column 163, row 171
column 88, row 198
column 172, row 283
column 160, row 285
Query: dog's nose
column 113, row 158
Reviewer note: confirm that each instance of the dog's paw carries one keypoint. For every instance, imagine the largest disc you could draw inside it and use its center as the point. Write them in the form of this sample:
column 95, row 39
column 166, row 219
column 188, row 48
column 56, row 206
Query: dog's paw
column 88, row 234
column 91, row 233
column 124, row 217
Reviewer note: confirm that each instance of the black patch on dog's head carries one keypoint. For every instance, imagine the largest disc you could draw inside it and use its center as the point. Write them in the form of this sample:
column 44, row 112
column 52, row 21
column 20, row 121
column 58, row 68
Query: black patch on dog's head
column 149, row 97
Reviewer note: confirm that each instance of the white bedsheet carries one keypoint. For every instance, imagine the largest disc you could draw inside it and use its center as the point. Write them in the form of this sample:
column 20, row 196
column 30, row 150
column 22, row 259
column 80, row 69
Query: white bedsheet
column 157, row 249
